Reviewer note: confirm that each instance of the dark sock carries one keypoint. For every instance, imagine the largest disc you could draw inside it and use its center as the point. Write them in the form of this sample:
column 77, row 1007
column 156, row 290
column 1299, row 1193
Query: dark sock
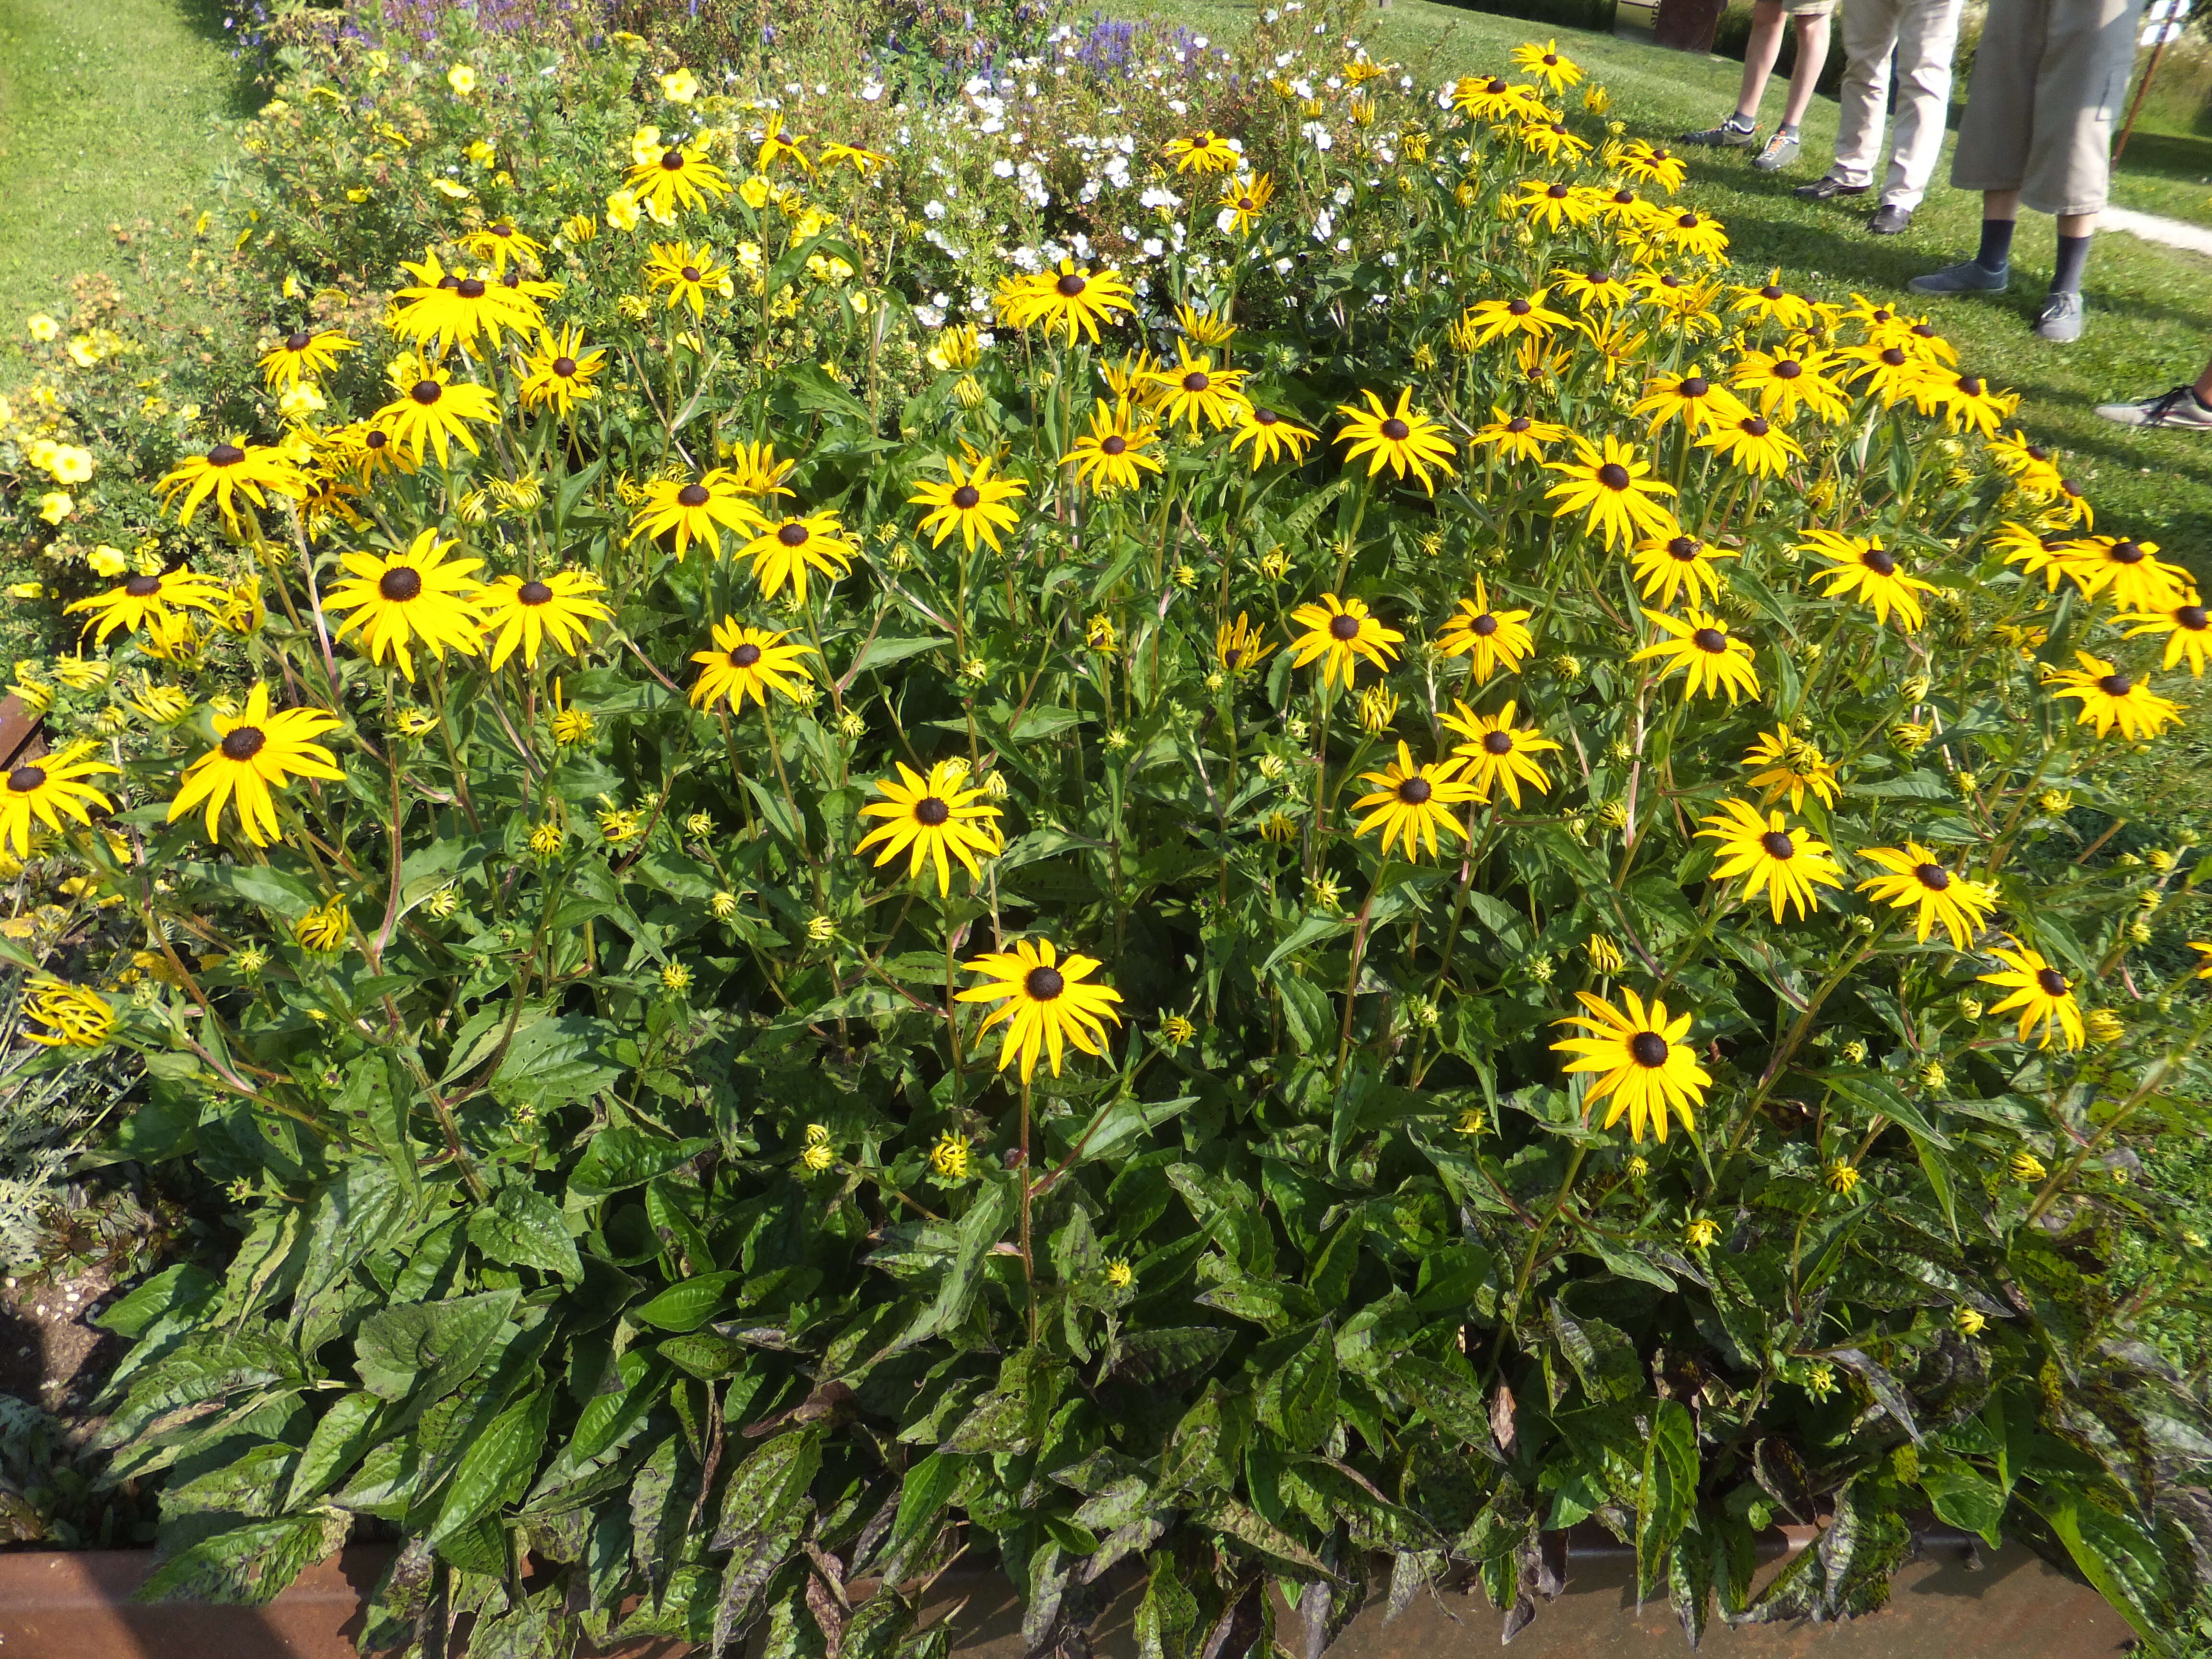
column 2073, row 256
column 1997, row 245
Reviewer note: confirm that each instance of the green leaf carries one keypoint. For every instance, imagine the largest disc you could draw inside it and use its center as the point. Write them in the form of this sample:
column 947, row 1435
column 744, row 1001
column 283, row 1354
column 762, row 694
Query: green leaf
column 689, row 1304
column 703, row 1354
column 427, row 1350
column 882, row 653
column 340, row 1434
column 1263, row 1537
column 1296, row 1396
column 522, row 1228
column 495, row 1469
column 248, row 1565
column 2114, row 1554
column 1447, row 1399
column 1962, row 1496
column 618, row 1158
column 1667, row 1491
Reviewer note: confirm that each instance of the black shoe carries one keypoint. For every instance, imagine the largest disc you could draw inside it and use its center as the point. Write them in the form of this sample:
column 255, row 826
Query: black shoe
column 1890, row 220
column 1822, row 188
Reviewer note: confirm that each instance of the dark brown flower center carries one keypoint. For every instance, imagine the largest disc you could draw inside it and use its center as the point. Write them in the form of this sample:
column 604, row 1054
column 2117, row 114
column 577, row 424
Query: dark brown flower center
column 1483, row 626
column 1709, row 640
column 1043, row 984
column 1495, row 88
column 1648, row 1049
column 966, row 497
column 1623, row 198
column 2127, row 553
column 1755, row 427
column 427, row 392
column 2192, row 618
column 1559, row 192
column 225, row 455
column 1520, row 307
column 142, row 587
column 1519, row 423
column 1344, row 626
column 502, row 230
column 243, row 743
column 449, row 280
column 1396, row 430
column 1114, row 444
column 2116, row 685
column 1550, row 59
column 1415, row 791
column 931, row 810
column 375, row 439
column 793, row 535
column 2051, row 982
column 534, row 591
column 1770, row 292
column 298, row 342
column 1068, row 287
column 471, row 289
column 1245, row 204
column 1969, row 386
column 513, row 279
column 2067, row 486
column 1498, row 743
column 1195, row 381
column 1879, row 561
column 692, row 494
column 1696, row 385
column 690, row 273
column 1613, row 476
column 400, row 584
column 25, row 778
column 1787, row 369
column 1266, row 416
column 1894, row 357
column 564, row 367
column 1934, row 876
column 745, row 655
column 1776, row 845
column 671, row 160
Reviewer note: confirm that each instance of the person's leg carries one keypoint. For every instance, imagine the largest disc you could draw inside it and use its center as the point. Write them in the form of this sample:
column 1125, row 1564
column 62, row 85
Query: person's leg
column 1927, row 40
column 2088, row 57
column 1812, row 59
column 1869, row 34
column 1992, row 156
column 1767, row 18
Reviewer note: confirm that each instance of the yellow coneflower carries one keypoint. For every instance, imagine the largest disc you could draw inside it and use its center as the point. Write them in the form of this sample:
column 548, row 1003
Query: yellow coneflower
column 1045, row 1000
column 1338, row 633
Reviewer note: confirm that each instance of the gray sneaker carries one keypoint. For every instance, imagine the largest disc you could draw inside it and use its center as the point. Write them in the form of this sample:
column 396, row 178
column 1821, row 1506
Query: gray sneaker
column 1967, row 277
column 1726, row 135
column 1781, row 150
column 2060, row 321
column 2179, row 408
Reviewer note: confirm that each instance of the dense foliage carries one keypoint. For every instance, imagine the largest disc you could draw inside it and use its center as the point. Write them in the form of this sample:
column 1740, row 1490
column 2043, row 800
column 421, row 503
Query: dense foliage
column 1381, row 863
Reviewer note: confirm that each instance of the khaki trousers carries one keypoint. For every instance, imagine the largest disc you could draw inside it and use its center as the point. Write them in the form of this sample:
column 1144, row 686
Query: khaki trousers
column 1924, row 34
column 2048, row 79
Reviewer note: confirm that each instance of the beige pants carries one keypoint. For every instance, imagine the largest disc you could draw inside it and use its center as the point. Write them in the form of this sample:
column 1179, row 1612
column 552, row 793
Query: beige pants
column 1924, row 34
column 2048, row 79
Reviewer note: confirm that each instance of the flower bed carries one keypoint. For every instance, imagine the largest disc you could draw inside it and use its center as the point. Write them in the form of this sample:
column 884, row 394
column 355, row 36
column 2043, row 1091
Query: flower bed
column 1190, row 810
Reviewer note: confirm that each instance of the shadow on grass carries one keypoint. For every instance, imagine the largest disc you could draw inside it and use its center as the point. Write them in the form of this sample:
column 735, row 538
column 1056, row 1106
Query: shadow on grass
column 242, row 93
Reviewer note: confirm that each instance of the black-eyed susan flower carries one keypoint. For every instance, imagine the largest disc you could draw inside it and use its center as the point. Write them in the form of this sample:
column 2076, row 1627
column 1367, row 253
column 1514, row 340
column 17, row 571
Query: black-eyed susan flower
column 1650, row 1073
column 559, row 374
column 1409, row 803
column 1045, row 1002
column 1754, row 444
column 2186, row 626
column 449, row 309
column 949, row 1157
column 2203, row 967
column 1547, row 65
column 1490, row 639
column 1914, row 878
column 524, row 613
column 928, row 818
column 326, row 928
column 1205, row 328
column 1273, row 436
column 1191, row 386
column 258, row 750
column 1790, row 378
column 1492, row 97
column 1784, row 864
column 1555, row 141
column 1554, row 204
column 1239, row 646
column 1787, row 763
column 1204, row 152
column 2128, row 573
column 230, row 472
column 1964, row 401
column 144, row 599
column 1244, row 199
column 1516, row 437
column 1679, row 565
column 1593, row 290
column 689, row 274
column 62, row 1016
column 1337, row 634
column 1499, row 754
column 432, row 408
column 2110, row 698
column 775, row 148
column 1700, row 647
column 1699, row 403
column 971, row 502
column 401, row 599
column 1649, row 164
column 1889, row 373
column 1520, row 317
column 362, row 453
column 665, row 180
column 2040, row 993
column 1401, row 438
column 305, row 353
column 697, row 509
column 862, row 160
column 503, row 245
column 1772, row 303
column 1861, row 568
column 1697, row 234
column 786, row 549
column 1116, row 451
column 1614, row 491
column 1071, row 299
column 47, row 790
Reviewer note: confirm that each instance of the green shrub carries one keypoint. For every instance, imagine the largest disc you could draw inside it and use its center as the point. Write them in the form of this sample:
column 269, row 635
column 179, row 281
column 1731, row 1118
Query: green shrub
column 627, row 1162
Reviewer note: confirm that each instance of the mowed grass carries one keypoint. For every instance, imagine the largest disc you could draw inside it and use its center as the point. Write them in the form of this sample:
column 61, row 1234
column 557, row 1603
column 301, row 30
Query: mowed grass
column 2150, row 308
column 111, row 116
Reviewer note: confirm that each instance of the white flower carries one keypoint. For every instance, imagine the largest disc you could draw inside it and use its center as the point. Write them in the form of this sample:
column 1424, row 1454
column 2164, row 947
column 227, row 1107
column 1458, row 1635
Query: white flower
column 1343, row 195
column 1283, row 266
column 1154, row 248
column 1324, row 226
column 1224, row 221
column 873, row 90
column 1002, row 169
column 933, row 209
column 1318, row 135
column 1157, row 196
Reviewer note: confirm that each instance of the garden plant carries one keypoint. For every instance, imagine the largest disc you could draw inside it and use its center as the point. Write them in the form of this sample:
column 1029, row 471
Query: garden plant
column 1180, row 818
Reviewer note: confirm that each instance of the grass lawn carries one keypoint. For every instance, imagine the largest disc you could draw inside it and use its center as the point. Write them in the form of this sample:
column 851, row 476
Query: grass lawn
column 2150, row 308
column 107, row 112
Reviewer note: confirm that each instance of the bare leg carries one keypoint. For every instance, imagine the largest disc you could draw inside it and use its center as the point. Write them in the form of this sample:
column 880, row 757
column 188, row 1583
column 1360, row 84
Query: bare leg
column 1812, row 58
column 1760, row 52
column 2074, row 224
column 2000, row 205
